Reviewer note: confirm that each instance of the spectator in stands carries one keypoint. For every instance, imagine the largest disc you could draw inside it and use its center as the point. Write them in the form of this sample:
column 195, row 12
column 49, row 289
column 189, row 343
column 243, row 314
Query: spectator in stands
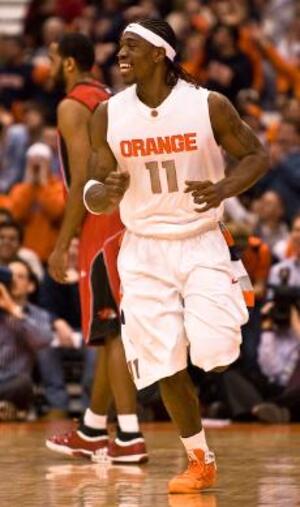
column 52, row 30
column 289, row 70
column 38, row 12
column 16, row 140
column 270, row 226
column 11, row 241
column 24, row 328
column 62, row 300
column 5, row 216
column 16, row 83
column 284, row 176
column 256, row 257
column 291, row 246
column 37, row 202
column 228, row 69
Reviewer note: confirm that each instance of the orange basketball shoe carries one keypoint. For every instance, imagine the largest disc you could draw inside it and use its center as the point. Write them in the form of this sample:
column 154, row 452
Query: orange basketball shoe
column 200, row 474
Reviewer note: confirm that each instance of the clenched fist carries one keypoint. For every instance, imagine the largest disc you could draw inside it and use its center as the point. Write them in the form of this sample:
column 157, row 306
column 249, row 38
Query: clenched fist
column 104, row 197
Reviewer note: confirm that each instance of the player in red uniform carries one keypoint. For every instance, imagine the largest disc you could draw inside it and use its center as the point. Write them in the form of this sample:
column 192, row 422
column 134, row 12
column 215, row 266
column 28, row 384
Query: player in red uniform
column 71, row 63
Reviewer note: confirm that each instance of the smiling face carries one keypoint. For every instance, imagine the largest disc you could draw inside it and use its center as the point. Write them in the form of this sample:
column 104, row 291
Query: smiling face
column 138, row 59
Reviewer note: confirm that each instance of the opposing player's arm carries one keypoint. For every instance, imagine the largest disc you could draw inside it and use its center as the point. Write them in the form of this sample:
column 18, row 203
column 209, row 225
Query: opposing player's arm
column 106, row 186
column 240, row 142
column 73, row 119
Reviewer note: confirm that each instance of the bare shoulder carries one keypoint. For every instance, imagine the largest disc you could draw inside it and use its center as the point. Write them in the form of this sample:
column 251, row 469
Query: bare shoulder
column 99, row 121
column 223, row 115
column 72, row 115
column 100, row 114
column 230, row 131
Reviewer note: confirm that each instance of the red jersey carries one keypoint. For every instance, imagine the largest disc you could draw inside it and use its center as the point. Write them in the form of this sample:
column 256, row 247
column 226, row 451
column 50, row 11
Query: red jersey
column 100, row 237
column 90, row 95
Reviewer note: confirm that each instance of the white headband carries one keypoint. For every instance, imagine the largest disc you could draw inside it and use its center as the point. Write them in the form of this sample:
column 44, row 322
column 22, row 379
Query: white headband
column 151, row 37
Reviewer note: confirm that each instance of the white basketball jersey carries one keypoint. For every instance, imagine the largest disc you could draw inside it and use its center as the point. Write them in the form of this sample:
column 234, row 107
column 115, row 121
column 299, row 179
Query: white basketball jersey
column 161, row 149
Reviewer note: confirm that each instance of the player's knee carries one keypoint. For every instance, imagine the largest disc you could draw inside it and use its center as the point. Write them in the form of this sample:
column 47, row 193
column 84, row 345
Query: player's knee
column 172, row 381
column 217, row 357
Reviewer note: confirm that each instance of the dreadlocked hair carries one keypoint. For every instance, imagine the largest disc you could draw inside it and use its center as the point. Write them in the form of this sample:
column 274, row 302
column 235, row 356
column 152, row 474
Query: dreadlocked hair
column 174, row 69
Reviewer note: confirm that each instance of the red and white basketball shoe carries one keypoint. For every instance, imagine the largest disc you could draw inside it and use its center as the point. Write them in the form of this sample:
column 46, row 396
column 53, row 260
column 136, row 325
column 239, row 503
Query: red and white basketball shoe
column 78, row 444
column 131, row 450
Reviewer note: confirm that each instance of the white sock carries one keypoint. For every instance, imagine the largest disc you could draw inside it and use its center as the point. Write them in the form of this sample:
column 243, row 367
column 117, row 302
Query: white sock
column 128, row 423
column 98, row 422
column 197, row 441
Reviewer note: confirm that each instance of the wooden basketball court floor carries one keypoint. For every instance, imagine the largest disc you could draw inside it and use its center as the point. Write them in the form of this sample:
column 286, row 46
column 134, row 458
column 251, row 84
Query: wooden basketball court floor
column 258, row 466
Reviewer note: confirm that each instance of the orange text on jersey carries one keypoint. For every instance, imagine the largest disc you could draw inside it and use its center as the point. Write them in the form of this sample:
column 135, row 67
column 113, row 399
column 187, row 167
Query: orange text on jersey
column 159, row 145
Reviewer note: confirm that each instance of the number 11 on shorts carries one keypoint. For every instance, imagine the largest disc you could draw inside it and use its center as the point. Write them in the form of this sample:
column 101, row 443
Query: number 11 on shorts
column 154, row 171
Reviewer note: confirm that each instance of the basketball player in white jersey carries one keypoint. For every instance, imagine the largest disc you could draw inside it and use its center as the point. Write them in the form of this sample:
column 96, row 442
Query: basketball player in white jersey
column 165, row 134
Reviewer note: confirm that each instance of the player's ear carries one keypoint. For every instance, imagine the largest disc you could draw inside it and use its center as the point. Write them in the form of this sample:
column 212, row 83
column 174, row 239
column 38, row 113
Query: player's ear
column 69, row 64
column 159, row 55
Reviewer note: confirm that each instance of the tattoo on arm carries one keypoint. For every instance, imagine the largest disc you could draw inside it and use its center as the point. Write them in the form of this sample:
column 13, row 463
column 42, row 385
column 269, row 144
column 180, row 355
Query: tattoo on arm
column 231, row 132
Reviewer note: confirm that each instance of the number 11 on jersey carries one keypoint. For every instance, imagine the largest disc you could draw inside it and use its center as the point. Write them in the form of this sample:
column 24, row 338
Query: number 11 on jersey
column 154, row 171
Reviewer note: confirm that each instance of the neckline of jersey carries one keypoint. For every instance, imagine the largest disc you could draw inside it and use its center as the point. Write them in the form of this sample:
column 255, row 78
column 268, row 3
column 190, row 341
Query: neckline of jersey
column 162, row 109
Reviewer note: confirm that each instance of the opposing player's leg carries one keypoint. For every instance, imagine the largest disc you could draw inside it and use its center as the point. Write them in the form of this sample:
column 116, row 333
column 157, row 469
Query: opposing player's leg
column 91, row 434
column 129, row 444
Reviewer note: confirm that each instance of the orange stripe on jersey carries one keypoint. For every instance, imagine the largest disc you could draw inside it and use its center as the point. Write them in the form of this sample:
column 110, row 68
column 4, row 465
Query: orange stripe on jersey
column 249, row 298
column 227, row 234
column 159, row 145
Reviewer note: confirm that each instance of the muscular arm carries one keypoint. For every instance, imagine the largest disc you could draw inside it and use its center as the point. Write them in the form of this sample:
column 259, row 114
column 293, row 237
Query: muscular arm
column 240, row 142
column 73, row 120
column 102, row 168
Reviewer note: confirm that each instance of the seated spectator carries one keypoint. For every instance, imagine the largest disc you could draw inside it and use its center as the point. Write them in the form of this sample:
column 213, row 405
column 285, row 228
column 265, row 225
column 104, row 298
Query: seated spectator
column 62, row 300
column 256, row 257
column 24, row 328
column 284, row 176
column 16, row 83
column 289, row 70
column 228, row 69
column 15, row 141
column 37, row 202
column 11, row 240
column 270, row 226
column 5, row 216
column 290, row 247
column 271, row 394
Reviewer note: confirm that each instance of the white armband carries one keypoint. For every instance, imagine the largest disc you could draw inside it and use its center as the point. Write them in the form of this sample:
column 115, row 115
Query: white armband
column 87, row 186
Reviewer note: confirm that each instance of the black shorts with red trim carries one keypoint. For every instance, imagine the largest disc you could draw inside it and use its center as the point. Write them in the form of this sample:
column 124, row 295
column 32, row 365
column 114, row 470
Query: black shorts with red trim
column 99, row 280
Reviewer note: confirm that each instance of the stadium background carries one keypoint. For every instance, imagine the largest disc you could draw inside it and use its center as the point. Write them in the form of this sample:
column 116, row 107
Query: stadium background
column 248, row 50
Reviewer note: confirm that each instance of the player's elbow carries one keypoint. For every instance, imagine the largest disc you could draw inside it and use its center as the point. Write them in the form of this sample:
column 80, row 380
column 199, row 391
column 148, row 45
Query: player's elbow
column 263, row 161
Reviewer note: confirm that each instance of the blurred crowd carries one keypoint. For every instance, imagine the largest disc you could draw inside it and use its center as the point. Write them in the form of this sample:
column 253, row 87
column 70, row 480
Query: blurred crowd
column 249, row 50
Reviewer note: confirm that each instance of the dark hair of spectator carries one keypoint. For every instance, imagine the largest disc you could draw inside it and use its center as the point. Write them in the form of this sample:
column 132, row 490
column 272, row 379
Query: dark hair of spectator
column 7, row 214
column 31, row 275
column 13, row 225
column 174, row 70
column 79, row 47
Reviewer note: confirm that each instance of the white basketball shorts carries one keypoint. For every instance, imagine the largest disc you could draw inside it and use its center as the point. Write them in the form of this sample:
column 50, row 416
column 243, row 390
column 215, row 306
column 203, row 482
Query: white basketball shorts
column 179, row 297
